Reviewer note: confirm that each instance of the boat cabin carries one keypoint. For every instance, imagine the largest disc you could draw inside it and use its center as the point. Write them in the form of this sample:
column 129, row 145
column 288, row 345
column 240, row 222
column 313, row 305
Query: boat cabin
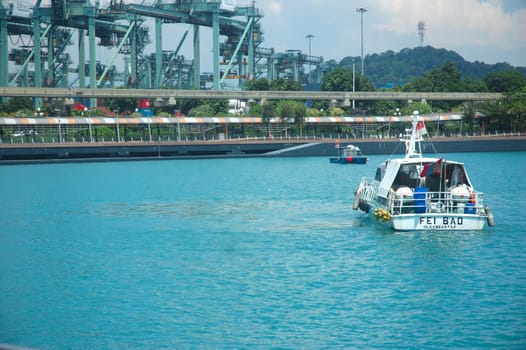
column 410, row 183
column 349, row 151
column 436, row 175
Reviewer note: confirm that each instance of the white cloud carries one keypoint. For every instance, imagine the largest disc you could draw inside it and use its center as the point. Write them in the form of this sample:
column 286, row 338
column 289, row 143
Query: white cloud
column 274, row 8
column 456, row 23
column 490, row 31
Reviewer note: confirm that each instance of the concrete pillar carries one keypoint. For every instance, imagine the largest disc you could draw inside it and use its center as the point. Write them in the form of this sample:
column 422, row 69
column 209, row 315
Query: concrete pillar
column 3, row 51
column 92, row 56
column 158, row 52
column 50, row 57
column 197, row 59
column 38, row 54
column 82, row 59
column 215, row 29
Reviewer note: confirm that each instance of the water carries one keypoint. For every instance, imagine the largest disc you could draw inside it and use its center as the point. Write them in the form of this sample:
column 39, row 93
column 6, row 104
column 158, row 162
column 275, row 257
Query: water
column 250, row 253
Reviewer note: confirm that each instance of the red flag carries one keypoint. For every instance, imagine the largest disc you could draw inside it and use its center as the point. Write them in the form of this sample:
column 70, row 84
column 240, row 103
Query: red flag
column 432, row 168
column 421, row 129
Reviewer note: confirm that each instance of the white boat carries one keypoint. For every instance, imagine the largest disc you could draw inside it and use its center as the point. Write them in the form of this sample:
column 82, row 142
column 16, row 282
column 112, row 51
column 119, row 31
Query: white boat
column 420, row 193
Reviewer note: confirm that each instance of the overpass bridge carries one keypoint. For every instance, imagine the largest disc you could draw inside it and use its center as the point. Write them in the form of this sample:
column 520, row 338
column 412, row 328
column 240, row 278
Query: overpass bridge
column 165, row 95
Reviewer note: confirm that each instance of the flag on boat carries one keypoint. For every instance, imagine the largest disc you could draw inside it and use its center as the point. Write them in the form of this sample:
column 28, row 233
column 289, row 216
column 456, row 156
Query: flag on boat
column 432, row 168
column 421, row 129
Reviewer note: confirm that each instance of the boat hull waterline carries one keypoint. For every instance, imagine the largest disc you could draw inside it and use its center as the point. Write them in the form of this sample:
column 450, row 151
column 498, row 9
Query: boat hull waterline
column 354, row 160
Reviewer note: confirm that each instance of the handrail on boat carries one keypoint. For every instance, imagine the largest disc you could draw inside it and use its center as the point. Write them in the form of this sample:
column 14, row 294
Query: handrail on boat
column 442, row 202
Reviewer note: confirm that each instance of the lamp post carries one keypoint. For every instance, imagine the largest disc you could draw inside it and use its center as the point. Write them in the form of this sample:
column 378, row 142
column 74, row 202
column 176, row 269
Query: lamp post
column 118, row 131
column 353, row 84
column 309, row 37
column 397, row 113
column 178, row 126
column 362, row 10
column 89, row 124
column 57, row 110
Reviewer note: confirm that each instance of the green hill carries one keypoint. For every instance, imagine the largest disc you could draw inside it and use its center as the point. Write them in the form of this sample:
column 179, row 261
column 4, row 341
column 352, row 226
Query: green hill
column 397, row 68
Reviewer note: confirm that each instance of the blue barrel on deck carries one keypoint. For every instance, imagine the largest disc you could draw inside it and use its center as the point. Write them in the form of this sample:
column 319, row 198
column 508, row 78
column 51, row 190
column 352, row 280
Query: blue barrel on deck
column 419, row 199
column 469, row 208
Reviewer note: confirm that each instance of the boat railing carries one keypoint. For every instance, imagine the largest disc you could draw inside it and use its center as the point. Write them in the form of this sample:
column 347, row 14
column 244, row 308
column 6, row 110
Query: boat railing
column 443, row 202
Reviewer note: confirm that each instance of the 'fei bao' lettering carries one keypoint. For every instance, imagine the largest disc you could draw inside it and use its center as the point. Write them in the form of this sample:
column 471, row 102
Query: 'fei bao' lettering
column 446, row 221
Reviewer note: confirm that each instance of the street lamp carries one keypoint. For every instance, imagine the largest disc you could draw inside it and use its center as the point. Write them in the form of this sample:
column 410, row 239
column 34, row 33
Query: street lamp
column 57, row 111
column 309, row 37
column 362, row 10
column 353, row 84
column 89, row 124
column 178, row 126
column 118, row 132
column 397, row 113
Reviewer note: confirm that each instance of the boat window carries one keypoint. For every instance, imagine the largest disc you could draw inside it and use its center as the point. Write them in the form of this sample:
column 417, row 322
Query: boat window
column 378, row 176
column 380, row 171
column 407, row 176
column 455, row 175
column 433, row 183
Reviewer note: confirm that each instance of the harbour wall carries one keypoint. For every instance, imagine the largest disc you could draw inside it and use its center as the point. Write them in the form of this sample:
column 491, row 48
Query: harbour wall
column 33, row 153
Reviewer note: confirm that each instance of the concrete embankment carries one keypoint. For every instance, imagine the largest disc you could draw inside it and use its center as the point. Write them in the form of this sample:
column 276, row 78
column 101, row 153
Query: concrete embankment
column 34, row 153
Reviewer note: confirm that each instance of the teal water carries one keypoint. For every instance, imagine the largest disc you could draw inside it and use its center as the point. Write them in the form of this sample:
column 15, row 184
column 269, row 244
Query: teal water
column 250, row 253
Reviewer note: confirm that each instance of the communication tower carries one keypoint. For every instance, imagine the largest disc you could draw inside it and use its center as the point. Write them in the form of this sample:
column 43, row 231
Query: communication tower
column 421, row 32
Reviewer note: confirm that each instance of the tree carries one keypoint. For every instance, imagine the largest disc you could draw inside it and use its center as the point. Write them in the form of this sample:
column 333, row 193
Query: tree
column 340, row 79
column 508, row 113
column 515, row 104
column 15, row 104
column 201, row 111
column 445, row 79
column 451, row 77
column 268, row 111
column 282, row 84
column 300, row 112
column 122, row 105
column 398, row 68
column 508, row 81
column 215, row 106
column 473, row 85
column 261, row 84
column 285, row 111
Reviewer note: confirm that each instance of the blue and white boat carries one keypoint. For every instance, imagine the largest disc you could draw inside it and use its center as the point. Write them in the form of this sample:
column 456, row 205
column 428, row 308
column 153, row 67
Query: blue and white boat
column 349, row 154
column 420, row 193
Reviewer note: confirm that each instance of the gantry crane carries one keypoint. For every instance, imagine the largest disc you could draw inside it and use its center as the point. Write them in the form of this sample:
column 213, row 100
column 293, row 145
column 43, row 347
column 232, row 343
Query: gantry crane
column 50, row 28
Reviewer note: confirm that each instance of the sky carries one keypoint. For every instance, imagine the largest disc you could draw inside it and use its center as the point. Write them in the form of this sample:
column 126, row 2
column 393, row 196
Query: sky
column 488, row 31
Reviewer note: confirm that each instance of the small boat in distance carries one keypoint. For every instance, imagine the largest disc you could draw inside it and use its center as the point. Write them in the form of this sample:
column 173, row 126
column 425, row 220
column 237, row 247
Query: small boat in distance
column 418, row 193
column 349, row 154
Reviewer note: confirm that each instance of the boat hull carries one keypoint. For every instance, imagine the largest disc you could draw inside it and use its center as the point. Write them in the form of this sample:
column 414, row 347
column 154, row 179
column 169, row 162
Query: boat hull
column 433, row 222
column 353, row 160
column 436, row 222
column 409, row 215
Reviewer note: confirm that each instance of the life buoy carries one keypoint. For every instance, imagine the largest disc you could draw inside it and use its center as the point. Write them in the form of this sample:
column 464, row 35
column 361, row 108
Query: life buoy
column 357, row 195
column 490, row 218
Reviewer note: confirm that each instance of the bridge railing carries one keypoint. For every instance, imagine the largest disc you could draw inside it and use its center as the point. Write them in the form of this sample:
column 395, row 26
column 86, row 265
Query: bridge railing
column 68, row 138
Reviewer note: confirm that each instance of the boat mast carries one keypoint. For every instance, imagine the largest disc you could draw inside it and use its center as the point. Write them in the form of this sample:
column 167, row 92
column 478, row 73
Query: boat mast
column 414, row 139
